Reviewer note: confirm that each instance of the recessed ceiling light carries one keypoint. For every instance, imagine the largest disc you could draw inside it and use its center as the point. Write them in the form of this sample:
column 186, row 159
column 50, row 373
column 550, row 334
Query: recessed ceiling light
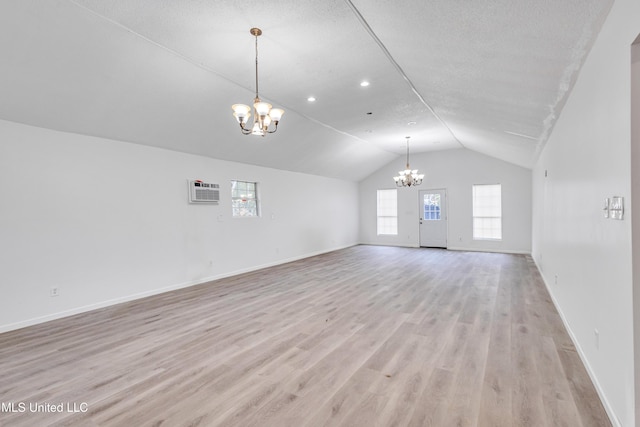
column 411, row 123
column 311, row 99
column 364, row 83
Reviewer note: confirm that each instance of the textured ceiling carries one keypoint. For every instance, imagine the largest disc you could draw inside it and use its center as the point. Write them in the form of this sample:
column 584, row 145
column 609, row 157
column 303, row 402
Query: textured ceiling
column 490, row 76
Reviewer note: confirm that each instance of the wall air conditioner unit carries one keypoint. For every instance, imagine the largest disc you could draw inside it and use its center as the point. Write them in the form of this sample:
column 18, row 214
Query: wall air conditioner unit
column 202, row 192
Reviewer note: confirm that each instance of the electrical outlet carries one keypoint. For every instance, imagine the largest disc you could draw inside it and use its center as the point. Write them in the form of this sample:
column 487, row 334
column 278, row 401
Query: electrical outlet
column 55, row 291
column 596, row 334
column 555, row 280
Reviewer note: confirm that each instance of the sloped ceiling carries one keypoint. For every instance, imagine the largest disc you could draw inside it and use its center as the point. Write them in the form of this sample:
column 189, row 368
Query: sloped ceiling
column 491, row 76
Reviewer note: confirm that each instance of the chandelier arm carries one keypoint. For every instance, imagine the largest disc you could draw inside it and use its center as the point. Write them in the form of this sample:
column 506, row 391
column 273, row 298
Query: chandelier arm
column 274, row 130
column 244, row 130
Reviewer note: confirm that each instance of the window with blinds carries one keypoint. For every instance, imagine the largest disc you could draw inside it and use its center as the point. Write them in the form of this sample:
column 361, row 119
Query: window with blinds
column 387, row 212
column 487, row 212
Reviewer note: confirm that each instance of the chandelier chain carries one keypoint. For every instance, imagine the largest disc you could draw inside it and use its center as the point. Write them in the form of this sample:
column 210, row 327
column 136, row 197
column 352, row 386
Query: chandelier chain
column 256, row 36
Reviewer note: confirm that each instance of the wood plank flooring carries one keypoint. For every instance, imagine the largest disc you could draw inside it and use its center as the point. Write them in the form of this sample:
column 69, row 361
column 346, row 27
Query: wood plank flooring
column 366, row 336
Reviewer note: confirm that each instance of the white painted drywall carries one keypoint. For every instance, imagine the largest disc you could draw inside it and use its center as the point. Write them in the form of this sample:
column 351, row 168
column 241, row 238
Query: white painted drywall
column 587, row 160
column 107, row 221
column 456, row 171
column 635, row 209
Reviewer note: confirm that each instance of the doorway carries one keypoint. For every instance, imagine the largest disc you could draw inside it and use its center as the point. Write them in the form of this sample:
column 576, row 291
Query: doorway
column 433, row 218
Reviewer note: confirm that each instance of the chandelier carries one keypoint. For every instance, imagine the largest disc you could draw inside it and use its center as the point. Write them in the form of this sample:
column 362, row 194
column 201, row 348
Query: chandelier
column 264, row 115
column 408, row 177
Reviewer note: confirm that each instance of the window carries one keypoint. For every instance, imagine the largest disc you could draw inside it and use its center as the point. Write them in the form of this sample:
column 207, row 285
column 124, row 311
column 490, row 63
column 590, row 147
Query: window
column 244, row 198
column 487, row 212
column 388, row 212
column 431, row 205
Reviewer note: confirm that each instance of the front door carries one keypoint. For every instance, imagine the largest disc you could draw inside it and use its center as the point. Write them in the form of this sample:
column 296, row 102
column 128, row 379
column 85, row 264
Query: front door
column 433, row 218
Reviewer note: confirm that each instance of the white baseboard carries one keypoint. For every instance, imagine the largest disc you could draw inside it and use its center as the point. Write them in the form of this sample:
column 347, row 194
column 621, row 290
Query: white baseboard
column 127, row 298
column 454, row 248
column 498, row 251
column 395, row 245
column 603, row 398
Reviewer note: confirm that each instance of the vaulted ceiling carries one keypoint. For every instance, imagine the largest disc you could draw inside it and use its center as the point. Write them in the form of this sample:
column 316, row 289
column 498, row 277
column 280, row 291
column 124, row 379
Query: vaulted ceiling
column 489, row 75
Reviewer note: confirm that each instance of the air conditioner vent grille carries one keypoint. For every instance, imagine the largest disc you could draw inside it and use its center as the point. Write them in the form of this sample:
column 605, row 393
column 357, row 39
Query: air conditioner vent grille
column 203, row 192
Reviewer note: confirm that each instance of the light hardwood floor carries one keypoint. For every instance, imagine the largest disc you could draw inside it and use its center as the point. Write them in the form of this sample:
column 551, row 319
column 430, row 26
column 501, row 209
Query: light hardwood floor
column 366, row 336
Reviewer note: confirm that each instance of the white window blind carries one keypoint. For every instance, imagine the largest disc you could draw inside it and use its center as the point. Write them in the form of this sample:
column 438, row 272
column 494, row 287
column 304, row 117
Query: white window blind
column 387, row 212
column 487, row 212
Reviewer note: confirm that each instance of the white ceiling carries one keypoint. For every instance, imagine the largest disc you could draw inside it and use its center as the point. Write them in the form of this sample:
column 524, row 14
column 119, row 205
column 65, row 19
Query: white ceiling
column 488, row 75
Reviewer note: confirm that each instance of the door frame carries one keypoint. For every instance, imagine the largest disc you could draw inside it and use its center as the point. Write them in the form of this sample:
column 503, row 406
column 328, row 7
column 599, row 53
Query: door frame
column 446, row 216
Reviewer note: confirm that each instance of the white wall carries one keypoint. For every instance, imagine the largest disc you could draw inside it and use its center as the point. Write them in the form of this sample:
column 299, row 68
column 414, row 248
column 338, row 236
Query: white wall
column 456, row 171
column 635, row 209
column 587, row 160
column 107, row 221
